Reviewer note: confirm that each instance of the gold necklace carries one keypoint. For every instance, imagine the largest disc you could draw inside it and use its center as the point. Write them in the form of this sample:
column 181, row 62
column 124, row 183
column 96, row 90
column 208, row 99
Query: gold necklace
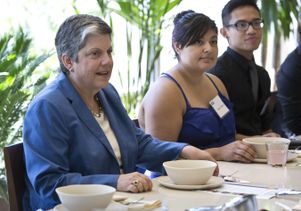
column 99, row 113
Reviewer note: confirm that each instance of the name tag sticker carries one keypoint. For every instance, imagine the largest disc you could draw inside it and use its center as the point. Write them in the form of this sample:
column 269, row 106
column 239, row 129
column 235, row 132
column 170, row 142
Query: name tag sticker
column 218, row 105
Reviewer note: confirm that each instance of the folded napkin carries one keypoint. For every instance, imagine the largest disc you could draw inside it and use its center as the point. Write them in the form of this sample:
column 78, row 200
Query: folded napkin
column 297, row 207
column 137, row 204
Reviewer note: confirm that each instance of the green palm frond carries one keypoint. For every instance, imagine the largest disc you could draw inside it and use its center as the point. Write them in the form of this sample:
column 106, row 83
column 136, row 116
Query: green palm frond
column 278, row 16
column 17, row 87
column 147, row 16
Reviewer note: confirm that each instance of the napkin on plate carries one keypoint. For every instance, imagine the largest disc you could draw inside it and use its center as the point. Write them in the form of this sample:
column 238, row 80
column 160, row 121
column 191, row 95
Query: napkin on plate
column 297, row 207
column 137, row 204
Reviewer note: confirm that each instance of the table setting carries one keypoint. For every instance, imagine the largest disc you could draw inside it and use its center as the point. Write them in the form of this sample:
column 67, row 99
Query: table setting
column 190, row 185
column 118, row 202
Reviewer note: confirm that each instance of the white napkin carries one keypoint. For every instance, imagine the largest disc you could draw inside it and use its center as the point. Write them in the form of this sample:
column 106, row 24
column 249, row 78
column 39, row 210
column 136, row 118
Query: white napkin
column 137, row 204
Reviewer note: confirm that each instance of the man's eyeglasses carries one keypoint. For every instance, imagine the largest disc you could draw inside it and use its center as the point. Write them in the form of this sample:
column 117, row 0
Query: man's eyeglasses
column 244, row 25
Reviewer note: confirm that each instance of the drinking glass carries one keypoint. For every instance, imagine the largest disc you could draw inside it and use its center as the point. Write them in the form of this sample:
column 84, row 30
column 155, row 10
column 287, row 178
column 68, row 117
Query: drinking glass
column 277, row 153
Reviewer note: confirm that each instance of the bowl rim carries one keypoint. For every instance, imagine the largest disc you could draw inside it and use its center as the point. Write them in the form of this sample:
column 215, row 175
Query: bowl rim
column 110, row 190
column 212, row 164
column 279, row 139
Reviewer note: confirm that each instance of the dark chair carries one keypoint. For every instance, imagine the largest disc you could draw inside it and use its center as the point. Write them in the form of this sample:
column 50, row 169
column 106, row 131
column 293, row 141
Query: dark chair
column 3, row 205
column 15, row 174
column 136, row 122
column 276, row 111
column 277, row 121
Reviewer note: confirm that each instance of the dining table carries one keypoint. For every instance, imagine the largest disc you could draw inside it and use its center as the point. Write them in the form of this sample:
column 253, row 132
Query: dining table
column 275, row 188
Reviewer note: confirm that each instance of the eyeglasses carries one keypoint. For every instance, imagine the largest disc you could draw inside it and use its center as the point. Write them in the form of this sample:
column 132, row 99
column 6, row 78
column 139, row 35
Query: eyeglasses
column 244, row 25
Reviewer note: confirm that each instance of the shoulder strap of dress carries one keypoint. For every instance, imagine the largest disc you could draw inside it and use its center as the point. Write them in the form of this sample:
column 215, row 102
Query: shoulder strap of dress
column 213, row 83
column 177, row 83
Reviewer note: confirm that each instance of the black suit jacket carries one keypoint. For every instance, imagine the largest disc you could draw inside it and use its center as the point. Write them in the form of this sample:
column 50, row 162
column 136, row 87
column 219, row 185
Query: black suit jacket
column 289, row 91
column 252, row 118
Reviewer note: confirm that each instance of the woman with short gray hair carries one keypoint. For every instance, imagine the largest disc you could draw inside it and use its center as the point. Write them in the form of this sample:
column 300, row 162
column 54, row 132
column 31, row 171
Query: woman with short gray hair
column 76, row 131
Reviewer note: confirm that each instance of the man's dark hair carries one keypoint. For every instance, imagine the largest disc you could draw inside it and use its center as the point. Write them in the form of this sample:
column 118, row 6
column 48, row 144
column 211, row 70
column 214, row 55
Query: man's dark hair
column 232, row 5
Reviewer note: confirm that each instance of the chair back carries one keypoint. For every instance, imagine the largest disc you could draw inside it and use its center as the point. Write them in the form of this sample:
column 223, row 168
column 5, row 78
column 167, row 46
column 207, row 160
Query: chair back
column 136, row 122
column 15, row 174
column 276, row 115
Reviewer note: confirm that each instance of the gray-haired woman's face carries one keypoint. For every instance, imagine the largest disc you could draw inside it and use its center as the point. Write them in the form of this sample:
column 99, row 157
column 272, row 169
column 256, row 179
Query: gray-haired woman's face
column 93, row 69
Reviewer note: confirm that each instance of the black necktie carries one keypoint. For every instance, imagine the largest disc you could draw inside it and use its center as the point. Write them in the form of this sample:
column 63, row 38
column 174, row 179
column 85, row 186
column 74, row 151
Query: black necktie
column 254, row 79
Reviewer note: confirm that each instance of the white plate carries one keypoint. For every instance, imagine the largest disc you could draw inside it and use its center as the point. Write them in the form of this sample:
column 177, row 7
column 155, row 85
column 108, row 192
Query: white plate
column 213, row 182
column 60, row 207
column 290, row 156
column 111, row 207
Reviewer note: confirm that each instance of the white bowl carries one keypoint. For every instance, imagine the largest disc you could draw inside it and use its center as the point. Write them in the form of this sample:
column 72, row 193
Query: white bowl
column 189, row 172
column 85, row 197
column 259, row 144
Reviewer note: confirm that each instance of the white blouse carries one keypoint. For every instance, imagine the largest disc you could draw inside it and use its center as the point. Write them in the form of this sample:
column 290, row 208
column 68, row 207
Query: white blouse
column 106, row 127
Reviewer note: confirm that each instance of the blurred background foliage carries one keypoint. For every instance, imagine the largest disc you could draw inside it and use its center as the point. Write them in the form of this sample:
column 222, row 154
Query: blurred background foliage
column 23, row 73
column 149, row 15
column 278, row 17
column 145, row 18
column 20, row 80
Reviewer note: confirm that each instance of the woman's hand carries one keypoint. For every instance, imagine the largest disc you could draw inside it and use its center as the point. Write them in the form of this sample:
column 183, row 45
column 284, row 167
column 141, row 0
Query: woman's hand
column 271, row 134
column 193, row 153
column 134, row 182
column 237, row 151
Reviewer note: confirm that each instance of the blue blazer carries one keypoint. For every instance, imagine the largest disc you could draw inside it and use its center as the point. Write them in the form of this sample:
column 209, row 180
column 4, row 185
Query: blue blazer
column 64, row 144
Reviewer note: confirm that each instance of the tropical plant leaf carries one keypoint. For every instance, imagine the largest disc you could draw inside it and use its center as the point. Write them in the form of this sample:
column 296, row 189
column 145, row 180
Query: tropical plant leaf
column 17, row 87
column 278, row 17
column 147, row 16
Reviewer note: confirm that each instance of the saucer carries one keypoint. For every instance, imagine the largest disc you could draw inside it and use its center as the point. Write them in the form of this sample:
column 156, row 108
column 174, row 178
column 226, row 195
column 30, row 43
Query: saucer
column 213, row 182
column 111, row 207
column 290, row 157
column 60, row 207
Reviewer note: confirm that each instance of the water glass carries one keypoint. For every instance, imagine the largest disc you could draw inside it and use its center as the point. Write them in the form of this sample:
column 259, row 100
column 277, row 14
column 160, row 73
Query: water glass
column 277, row 153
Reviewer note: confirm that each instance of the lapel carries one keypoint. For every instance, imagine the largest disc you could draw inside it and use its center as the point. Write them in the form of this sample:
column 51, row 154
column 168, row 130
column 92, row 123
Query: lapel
column 114, row 112
column 83, row 112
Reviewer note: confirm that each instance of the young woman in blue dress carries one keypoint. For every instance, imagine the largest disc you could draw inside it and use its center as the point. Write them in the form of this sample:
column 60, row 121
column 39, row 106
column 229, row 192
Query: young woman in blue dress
column 188, row 104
